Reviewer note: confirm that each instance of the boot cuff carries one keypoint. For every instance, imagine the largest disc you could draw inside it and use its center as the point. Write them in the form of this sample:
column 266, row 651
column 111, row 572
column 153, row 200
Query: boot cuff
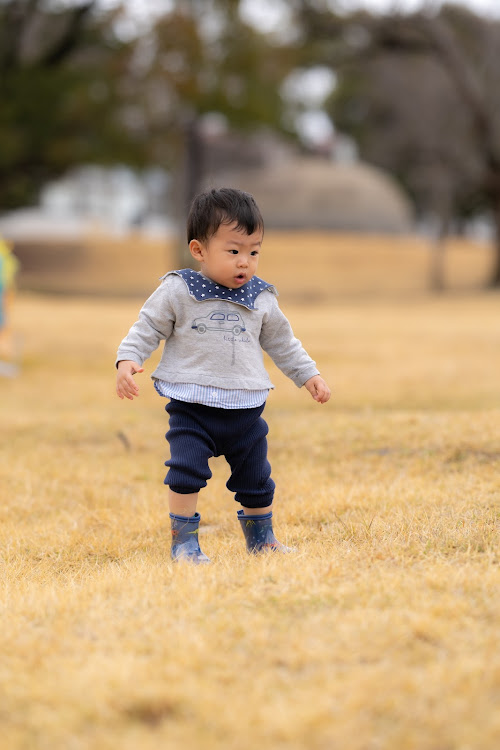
column 256, row 517
column 186, row 519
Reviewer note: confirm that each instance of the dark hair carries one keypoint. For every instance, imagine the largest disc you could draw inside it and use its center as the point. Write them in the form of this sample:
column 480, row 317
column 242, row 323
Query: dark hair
column 224, row 206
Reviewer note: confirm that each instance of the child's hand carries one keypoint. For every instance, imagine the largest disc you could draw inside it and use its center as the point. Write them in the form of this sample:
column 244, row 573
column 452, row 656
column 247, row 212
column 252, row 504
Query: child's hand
column 125, row 383
column 318, row 389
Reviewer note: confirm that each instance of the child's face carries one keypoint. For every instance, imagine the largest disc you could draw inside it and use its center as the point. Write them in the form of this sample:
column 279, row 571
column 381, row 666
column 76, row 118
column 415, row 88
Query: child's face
column 230, row 257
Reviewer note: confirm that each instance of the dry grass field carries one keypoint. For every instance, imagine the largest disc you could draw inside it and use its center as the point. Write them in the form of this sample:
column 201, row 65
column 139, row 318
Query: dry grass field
column 348, row 265
column 380, row 633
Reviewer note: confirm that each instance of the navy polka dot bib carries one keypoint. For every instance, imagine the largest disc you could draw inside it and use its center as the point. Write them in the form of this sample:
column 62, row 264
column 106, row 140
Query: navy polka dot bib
column 203, row 289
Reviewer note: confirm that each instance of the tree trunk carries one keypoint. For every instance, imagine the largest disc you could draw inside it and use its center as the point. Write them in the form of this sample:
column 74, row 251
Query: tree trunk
column 442, row 202
column 438, row 249
column 494, row 282
column 188, row 183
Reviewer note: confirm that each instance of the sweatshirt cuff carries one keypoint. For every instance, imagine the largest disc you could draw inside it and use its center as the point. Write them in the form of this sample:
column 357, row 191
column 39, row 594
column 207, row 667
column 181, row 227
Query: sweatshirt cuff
column 132, row 356
column 303, row 376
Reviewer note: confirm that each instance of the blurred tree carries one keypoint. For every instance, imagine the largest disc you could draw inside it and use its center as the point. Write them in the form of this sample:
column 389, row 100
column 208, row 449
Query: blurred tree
column 78, row 85
column 420, row 94
column 62, row 100
column 200, row 57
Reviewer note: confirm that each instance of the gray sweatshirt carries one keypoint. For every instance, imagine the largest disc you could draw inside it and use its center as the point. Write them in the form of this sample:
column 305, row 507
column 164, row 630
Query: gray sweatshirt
column 214, row 335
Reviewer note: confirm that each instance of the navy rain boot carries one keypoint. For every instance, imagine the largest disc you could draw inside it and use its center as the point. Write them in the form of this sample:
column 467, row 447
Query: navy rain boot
column 259, row 535
column 185, row 545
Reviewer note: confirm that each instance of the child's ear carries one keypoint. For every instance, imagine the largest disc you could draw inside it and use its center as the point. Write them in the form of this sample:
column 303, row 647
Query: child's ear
column 196, row 249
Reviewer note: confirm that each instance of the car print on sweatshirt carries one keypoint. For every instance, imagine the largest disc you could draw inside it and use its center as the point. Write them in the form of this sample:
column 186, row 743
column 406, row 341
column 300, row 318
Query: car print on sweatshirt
column 220, row 321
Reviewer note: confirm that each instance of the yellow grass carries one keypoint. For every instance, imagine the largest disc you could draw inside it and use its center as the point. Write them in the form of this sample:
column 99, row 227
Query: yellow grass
column 380, row 633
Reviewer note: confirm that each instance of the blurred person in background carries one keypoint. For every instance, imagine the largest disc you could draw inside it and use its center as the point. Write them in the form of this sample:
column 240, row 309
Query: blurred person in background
column 8, row 269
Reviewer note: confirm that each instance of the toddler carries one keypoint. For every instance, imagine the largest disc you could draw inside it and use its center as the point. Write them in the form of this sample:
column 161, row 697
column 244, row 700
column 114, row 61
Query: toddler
column 215, row 323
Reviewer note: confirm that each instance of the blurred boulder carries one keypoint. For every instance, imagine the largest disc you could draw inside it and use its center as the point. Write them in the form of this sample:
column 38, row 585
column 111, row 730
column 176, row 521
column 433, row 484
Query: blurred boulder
column 310, row 192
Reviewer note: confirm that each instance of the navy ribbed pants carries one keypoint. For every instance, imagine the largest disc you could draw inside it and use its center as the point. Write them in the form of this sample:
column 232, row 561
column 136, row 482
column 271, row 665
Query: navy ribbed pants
column 199, row 432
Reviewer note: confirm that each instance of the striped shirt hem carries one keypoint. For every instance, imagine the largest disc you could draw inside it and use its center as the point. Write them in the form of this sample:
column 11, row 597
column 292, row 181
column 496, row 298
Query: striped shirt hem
column 220, row 398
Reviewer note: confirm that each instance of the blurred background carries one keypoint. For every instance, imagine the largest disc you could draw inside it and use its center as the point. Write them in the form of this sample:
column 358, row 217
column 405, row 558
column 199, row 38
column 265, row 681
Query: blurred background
column 368, row 131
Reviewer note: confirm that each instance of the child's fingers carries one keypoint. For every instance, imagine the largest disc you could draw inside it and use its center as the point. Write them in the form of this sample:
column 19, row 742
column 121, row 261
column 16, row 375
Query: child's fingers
column 126, row 387
column 123, row 392
column 325, row 396
column 131, row 388
column 322, row 392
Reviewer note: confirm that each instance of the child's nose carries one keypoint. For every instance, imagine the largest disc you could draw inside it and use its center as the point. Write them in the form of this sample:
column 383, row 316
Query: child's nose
column 242, row 261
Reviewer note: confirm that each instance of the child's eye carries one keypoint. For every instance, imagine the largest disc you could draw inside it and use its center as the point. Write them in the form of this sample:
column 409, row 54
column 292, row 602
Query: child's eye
column 233, row 252
column 254, row 252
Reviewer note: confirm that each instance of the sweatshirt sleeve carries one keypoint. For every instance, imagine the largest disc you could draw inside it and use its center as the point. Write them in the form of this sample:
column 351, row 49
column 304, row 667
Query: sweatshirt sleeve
column 155, row 324
column 286, row 351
